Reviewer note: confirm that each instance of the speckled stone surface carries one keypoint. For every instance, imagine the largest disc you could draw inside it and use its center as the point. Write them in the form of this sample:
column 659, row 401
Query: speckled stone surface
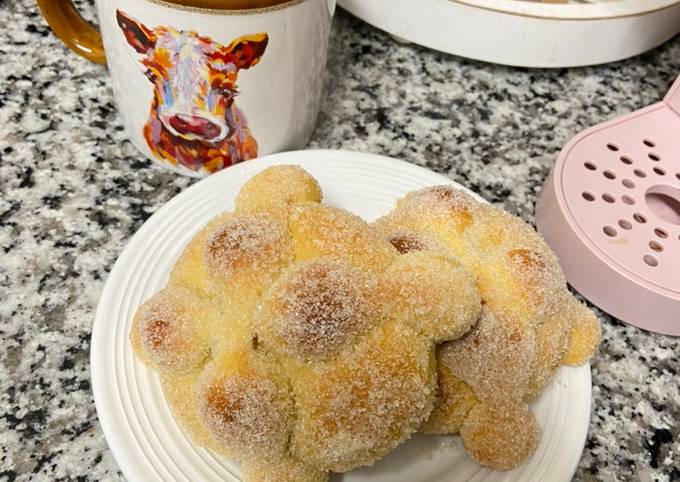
column 73, row 190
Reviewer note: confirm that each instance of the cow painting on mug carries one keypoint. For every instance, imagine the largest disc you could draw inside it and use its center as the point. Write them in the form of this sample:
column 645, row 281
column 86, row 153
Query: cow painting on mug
column 194, row 120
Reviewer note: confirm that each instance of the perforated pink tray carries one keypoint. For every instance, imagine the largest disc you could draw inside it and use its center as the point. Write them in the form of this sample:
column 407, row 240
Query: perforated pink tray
column 610, row 209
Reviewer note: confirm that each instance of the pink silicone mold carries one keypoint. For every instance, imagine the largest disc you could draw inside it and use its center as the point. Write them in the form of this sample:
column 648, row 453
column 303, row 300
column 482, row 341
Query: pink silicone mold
column 610, row 209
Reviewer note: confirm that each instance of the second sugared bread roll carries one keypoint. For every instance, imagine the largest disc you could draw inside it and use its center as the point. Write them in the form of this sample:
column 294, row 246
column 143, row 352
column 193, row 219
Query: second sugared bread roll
column 530, row 323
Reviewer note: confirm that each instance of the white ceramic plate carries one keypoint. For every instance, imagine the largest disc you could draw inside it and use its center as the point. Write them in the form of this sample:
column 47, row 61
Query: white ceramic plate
column 527, row 34
column 144, row 438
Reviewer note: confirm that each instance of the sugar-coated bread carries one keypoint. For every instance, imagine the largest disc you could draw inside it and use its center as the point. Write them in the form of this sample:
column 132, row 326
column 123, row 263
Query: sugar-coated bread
column 294, row 337
column 498, row 434
column 529, row 326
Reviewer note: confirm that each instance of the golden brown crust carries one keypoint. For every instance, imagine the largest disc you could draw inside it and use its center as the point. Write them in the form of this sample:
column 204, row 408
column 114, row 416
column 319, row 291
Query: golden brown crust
column 288, row 469
column 454, row 401
column 356, row 410
column 246, row 411
column 319, row 231
column 585, row 336
column 315, row 309
column 495, row 358
column 405, row 243
column 552, row 341
column 244, row 244
column 434, row 294
column 182, row 396
column 299, row 353
column 275, row 189
column 530, row 322
column 500, row 436
column 164, row 330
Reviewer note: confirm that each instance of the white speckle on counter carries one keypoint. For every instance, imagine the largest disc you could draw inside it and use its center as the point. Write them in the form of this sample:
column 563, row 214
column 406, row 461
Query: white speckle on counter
column 73, row 191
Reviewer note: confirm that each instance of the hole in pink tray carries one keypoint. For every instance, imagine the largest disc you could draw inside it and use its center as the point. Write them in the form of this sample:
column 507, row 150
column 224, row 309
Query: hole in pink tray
column 612, row 147
column 626, row 160
column 625, row 224
column 628, row 199
column 628, row 183
column 640, row 218
column 651, row 260
column 661, row 233
column 610, row 231
column 588, row 196
column 590, row 165
column 609, row 174
column 649, row 143
column 609, row 198
column 639, row 173
column 678, row 176
column 664, row 202
column 660, row 171
column 656, row 246
column 654, row 156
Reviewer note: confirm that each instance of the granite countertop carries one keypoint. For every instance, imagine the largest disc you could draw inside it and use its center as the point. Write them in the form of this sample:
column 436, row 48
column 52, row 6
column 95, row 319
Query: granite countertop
column 73, row 190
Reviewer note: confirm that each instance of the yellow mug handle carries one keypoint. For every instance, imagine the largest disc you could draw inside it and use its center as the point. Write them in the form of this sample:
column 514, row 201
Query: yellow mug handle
column 78, row 35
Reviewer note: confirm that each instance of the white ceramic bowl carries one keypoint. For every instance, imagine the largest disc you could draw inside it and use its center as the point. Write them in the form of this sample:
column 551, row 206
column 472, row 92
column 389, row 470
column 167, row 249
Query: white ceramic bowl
column 527, row 34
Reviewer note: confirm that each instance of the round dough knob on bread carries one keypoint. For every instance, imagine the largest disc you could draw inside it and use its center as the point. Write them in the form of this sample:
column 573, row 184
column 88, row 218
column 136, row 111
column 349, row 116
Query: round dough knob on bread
column 317, row 308
column 166, row 331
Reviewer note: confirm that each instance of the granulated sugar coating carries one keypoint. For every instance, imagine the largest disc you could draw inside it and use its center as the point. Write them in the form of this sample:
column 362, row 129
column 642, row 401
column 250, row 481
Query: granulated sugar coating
column 552, row 343
column 318, row 307
column 453, row 402
column 294, row 337
column 406, row 241
column 529, row 326
column 495, row 359
column 165, row 332
column 319, row 230
column 421, row 286
column 355, row 409
column 500, row 434
column 582, row 340
column 243, row 243
column 273, row 469
column 245, row 411
column 273, row 189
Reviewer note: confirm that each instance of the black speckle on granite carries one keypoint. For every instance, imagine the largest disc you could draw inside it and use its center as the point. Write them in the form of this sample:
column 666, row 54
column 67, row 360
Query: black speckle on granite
column 73, row 190
column 661, row 437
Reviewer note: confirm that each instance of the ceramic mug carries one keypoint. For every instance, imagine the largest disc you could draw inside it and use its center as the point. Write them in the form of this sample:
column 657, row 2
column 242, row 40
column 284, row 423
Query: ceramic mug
column 201, row 89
